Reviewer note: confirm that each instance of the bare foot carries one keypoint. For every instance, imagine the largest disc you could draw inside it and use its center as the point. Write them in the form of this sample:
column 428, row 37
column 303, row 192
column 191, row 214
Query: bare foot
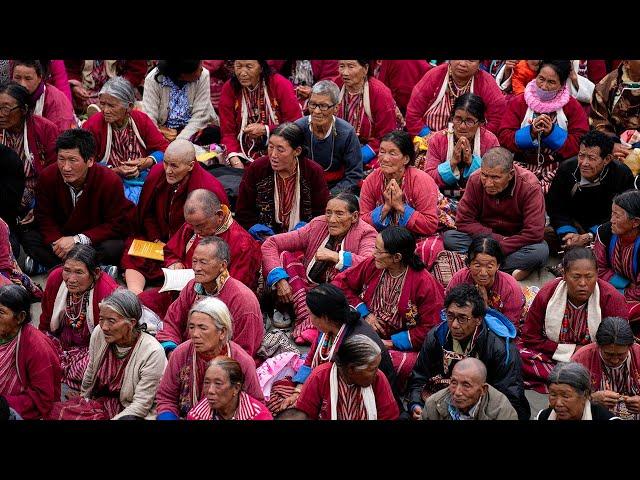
column 520, row 274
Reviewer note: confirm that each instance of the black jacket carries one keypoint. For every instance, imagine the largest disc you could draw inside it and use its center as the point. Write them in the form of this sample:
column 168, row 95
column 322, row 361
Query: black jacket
column 588, row 206
column 11, row 185
column 489, row 348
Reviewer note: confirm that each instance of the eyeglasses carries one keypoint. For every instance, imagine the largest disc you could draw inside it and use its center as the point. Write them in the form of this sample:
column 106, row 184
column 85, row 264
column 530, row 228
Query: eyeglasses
column 322, row 106
column 462, row 319
column 7, row 110
column 469, row 122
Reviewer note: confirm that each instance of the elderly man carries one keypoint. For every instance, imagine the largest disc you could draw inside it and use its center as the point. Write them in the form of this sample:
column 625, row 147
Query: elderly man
column 210, row 262
column 79, row 202
column 160, row 209
column 506, row 201
column 205, row 216
column 583, row 188
column 469, row 330
column 468, row 397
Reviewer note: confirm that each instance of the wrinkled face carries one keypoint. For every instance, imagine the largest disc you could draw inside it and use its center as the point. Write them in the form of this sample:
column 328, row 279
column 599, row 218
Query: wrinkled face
column 548, row 79
column 621, row 222
column 465, row 388
column 73, row 167
column 116, row 328
column 352, row 73
column 10, row 321
column 363, row 376
column 566, row 401
column 202, row 224
column 591, row 162
column 581, row 277
column 176, row 168
column 27, row 77
column 339, row 218
column 383, row 259
column 248, row 72
column 281, row 156
column 461, row 321
column 218, row 389
column 11, row 115
column 206, row 337
column 113, row 109
column 321, row 109
column 206, row 265
column 392, row 161
column 483, row 269
column 76, row 276
column 494, row 179
column 614, row 355
column 464, row 124
column 464, row 69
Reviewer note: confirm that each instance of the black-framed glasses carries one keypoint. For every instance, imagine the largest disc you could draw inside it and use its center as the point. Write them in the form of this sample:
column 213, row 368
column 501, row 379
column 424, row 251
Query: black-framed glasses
column 6, row 110
column 469, row 122
column 462, row 319
column 322, row 106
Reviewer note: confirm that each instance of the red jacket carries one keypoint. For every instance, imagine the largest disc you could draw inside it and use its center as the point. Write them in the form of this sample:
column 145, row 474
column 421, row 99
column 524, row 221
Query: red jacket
column 41, row 136
column 514, row 217
column 132, row 70
column 101, row 212
column 283, row 101
column 401, row 76
column 58, row 109
column 589, row 356
column 427, row 89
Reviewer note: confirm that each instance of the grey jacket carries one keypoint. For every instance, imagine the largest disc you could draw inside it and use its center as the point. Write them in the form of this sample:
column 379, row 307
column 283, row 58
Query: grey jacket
column 493, row 406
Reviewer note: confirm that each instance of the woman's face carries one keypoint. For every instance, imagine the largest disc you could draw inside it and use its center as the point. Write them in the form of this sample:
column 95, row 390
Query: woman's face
column 548, row 80
column 614, row 355
column 248, row 72
column 76, row 276
column 392, row 161
column 621, row 222
column 115, row 112
column 11, row 114
column 581, row 277
column 339, row 218
column 27, row 77
column 352, row 73
column 464, row 124
column 383, row 259
column 321, row 323
column 363, row 376
column 463, row 70
column 218, row 389
column 206, row 337
column 116, row 328
column 566, row 401
column 483, row 269
column 10, row 322
column 283, row 158
column 320, row 117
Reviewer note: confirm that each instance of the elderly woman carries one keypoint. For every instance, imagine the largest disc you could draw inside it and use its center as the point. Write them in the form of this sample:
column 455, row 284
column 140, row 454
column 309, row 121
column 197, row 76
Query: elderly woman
column 616, row 248
column 70, row 308
column 127, row 140
column 331, row 243
column 543, row 125
column 47, row 100
column 125, row 366
column 224, row 396
column 614, row 364
column 281, row 189
column 29, row 366
column 176, row 97
column 210, row 331
column 253, row 102
column 429, row 107
column 366, row 103
column 399, row 194
column 456, row 152
column 396, row 295
column 569, row 396
column 332, row 141
column 499, row 290
column 565, row 315
column 336, row 321
column 350, row 388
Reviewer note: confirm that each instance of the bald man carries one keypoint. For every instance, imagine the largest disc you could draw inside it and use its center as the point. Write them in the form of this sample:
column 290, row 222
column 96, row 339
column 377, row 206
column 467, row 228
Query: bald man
column 160, row 210
column 468, row 397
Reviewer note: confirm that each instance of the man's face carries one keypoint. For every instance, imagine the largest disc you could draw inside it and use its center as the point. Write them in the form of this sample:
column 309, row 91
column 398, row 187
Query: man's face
column 465, row 388
column 591, row 163
column 202, row 224
column 73, row 167
column 494, row 179
column 461, row 321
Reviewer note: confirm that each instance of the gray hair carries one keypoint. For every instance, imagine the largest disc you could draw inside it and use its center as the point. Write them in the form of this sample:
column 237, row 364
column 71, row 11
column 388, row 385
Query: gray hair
column 124, row 302
column 498, row 156
column 327, row 87
column 121, row 89
column 201, row 199
column 219, row 313
column 471, row 363
column 222, row 248
column 614, row 331
column 573, row 374
column 357, row 351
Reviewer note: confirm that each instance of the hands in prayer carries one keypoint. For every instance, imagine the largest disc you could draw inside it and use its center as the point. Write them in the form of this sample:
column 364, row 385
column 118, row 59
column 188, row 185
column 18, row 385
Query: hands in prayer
column 393, row 198
column 461, row 154
column 542, row 124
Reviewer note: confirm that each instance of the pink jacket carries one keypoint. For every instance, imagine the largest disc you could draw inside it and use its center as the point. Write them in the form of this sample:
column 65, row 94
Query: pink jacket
column 58, row 109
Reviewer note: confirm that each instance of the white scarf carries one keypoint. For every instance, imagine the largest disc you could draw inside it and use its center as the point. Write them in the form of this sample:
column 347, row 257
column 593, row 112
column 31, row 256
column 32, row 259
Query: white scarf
column 107, row 150
column 60, row 306
column 294, row 216
column 557, row 305
column 450, row 146
column 39, row 107
column 244, row 115
column 443, row 90
column 367, row 395
column 586, row 414
column 365, row 100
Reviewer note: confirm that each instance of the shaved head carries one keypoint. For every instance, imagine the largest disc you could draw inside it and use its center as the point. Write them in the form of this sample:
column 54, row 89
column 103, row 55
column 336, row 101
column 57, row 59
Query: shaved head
column 472, row 366
column 181, row 150
column 203, row 200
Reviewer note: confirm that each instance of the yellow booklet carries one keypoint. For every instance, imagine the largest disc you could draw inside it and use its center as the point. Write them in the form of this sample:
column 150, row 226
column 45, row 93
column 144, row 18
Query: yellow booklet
column 142, row 248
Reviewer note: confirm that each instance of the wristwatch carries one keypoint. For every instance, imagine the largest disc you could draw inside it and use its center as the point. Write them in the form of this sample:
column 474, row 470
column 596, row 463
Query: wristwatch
column 591, row 237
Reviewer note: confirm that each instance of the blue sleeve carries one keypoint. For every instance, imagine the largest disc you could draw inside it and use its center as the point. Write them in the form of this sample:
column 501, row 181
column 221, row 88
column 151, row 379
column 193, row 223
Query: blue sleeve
column 555, row 140
column 158, row 156
column 476, row 163
column 401, row 340
column 425, row 131
column 445, row 172
column 362, row 309
column 347, row 260
column 594, row 229
column 375, row 217
column 299, row 225
column 258, row 230
column 523, row 138
column 367, row 154
column 619, row 281
column 167, row 416
column 408, row 212
column 564, row 229
column 168, row 346
column 276, row 275
column 302, row 374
